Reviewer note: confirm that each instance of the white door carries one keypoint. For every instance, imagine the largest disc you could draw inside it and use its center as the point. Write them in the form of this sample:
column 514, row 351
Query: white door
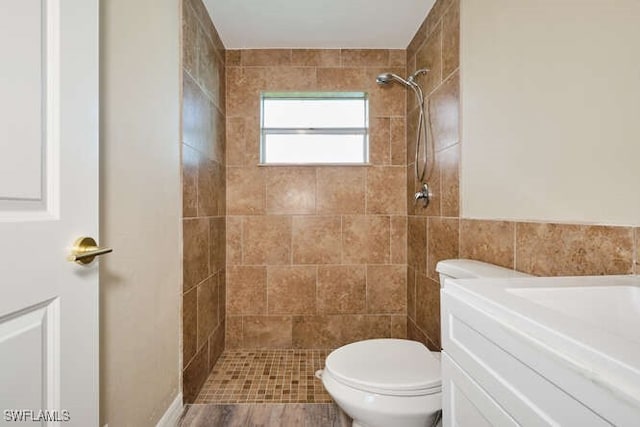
column 48, row 198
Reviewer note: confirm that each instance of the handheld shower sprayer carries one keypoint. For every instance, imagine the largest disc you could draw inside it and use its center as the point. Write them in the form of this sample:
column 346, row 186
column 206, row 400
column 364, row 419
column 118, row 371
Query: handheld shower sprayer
column 386, row 78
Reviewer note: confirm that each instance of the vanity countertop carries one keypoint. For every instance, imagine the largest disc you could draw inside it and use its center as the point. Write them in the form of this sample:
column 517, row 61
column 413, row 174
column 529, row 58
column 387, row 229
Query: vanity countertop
column 591, row 324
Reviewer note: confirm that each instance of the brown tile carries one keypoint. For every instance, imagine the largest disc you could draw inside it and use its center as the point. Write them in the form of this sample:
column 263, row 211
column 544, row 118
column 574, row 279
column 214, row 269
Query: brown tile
column 221, row 191
column 236, row 130
column 221, row 101
column 399, row 327
column 340, row 190
column 333, row 331
column 208, row 66
column 316, row 240
column 398, row 240
column 365, row 57
column 267, row 332
column 398, row 141
column 194, row 375
column 195, row 251
column 387, row 289
column 291, row 79
column 488, row 241
column 217, row 243
column 449, row 165
column 442, row 242
column 445, row 113
column 347, row 79
column 379, row 141
column 216, row 345
column 207, row 309
column 341, row 289
column 189, row 181
column 317, row 331
column 234, row 240
column 252, row 140
column 266, row 57
column 417, row 243
column 411, row 62
column 573, row 250
column 428, row 307
column 429, row 56
column 189, row 325
column 246, row 290
column 202, row 15
column 222, row 296
column 233, row 334
column 385, row 190
column 363, row 327
column 245, row 191
column 315, row 57
column 197, row 114
column 266, row 240
column 291, row 290
column 411, row 293
column 366, row 239
column 451, row 39
column 232, row 57
column 265, row 376
column 291, row 190
column 243, row 90
column 397, row 58
column 210, row 182
column 189, row 40
column 432, row 22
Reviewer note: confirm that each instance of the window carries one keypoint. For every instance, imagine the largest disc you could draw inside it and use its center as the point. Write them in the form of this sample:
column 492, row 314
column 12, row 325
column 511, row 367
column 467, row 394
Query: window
column 314, row 128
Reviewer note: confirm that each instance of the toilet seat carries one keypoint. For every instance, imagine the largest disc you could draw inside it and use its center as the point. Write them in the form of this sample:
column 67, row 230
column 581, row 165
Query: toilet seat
column 386, row 366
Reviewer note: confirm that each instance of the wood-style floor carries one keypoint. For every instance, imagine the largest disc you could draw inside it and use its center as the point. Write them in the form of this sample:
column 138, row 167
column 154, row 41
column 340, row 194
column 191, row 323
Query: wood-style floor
column 265, row 415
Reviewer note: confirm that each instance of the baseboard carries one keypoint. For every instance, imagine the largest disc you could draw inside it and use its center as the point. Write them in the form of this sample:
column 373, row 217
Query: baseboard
column 172, row 416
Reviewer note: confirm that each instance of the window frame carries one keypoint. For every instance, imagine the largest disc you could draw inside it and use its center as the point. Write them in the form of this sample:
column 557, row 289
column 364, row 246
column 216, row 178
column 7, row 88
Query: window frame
column 312, row 95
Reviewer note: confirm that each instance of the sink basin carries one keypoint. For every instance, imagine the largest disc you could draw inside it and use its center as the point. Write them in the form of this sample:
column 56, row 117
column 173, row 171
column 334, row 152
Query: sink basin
column 615, row 309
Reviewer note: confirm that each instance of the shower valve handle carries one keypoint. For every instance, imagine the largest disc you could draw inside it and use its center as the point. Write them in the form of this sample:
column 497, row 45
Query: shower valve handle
column 424, row 194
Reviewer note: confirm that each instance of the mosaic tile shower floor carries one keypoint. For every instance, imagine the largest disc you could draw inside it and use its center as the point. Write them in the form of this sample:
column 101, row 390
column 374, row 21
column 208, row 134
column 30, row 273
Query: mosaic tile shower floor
column 266, row 376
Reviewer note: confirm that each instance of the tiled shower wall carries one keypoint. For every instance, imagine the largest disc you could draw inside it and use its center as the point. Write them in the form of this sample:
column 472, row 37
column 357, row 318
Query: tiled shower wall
column 433, row 232
column 438, row 233
column 316, row 255
column 319, row 256
column 203, row 151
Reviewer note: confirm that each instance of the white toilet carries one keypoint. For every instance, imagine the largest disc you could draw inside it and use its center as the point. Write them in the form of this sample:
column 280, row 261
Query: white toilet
column 394, row 382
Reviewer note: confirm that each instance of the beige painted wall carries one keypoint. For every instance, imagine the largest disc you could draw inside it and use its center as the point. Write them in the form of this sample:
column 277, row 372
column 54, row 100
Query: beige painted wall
column 140, row 207
column 550, row 110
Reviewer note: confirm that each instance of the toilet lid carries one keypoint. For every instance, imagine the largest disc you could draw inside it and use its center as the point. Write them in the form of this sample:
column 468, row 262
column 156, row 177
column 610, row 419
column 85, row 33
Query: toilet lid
column 386, row 366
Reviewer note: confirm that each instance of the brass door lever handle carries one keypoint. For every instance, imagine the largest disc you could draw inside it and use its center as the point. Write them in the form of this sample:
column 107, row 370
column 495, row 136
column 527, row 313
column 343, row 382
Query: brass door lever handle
column 85, row 249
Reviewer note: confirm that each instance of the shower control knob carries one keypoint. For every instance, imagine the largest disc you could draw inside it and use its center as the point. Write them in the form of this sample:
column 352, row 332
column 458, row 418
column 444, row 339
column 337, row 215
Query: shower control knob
column 424, row 194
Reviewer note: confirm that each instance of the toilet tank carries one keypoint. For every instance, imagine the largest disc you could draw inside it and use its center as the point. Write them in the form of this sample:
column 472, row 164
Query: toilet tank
column 471, row 269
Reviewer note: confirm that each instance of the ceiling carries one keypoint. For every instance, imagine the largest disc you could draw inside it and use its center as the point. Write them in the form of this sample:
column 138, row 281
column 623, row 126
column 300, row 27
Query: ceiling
column 367, row 24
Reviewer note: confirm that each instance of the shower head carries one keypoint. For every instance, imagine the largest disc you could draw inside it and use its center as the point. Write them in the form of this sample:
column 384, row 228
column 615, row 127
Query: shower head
column 386, row 78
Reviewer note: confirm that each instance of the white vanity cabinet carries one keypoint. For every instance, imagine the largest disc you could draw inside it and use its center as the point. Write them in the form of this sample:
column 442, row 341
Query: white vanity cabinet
column 508, row 361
